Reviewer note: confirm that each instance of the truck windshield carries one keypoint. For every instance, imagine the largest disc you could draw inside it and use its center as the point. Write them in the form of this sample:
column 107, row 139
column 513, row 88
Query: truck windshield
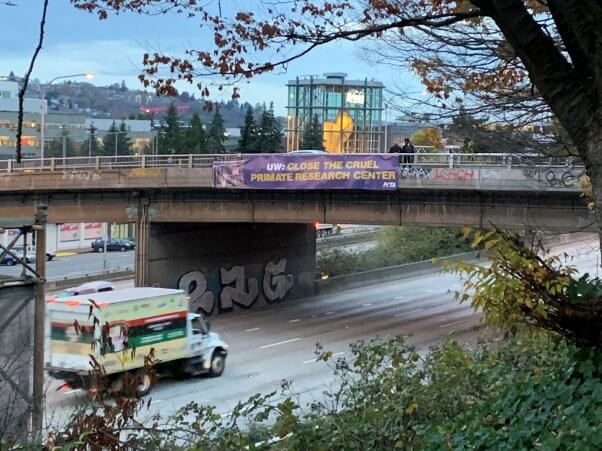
column 199, row 326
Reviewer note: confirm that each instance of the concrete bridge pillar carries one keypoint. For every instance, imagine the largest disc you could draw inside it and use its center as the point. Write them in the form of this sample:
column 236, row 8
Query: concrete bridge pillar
column 226, row 266
column 142, row 244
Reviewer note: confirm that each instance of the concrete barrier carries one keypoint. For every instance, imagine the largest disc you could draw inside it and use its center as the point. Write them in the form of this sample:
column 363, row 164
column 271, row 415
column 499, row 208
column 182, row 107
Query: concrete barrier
column 381, row 275
column 67, row 282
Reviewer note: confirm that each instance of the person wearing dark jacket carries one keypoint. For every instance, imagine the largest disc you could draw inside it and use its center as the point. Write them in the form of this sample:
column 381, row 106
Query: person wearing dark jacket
column 408, row 151
column 395, row 148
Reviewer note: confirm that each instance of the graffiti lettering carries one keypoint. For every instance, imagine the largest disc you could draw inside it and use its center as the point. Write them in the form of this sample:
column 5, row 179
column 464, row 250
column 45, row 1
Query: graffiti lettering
column 195, row 284
column 553, row 177
column 145, row 172
column 415, row 173
column 461, row 175
column 491, row 174
column 236, row 288
column 276, row 284
column 242, row 296
column 80, row 175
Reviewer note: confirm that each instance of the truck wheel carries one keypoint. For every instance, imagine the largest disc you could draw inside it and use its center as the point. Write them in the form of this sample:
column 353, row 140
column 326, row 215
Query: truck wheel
column 218, row 364
column 11, row 262
column 145, row 383
column 122, row 249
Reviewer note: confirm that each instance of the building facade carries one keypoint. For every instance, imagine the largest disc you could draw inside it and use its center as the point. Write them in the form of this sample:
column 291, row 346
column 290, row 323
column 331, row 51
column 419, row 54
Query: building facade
column 74, row 129
column 349, row 112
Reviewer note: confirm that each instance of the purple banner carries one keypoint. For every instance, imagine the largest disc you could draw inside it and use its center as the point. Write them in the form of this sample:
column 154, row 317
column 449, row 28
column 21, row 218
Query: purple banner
column 334, row 171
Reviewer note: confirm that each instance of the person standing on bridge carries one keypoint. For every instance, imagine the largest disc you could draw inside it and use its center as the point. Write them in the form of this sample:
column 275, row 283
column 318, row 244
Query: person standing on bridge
column 395, row 148
column 408, row 152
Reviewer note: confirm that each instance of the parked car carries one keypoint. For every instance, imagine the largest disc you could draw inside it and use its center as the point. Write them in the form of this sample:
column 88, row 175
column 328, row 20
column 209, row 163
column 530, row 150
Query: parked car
column 31, row 250
column 11, row 261
column 99, row 286
column 113, row 244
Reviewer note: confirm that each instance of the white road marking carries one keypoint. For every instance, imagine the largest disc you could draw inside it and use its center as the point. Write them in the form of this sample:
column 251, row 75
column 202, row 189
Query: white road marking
column 428, row 291
column 294, row 320
column 366, row 305
column 69, row 392
column 454, row 323
column 400, row 297
column 156, row 401
column 410, row 312
column 333, row 355
column 279, row 343
column 328, row 313
column 251, row 330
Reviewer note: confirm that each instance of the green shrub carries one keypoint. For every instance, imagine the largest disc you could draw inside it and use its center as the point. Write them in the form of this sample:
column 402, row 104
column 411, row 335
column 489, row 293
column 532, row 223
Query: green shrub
column 394, row 246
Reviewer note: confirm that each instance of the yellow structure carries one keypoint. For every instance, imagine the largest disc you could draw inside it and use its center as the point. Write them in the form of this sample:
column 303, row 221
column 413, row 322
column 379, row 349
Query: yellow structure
column 336, row 133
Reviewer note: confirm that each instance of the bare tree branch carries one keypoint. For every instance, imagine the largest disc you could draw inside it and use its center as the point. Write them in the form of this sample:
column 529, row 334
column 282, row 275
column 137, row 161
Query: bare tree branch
column 26, row 82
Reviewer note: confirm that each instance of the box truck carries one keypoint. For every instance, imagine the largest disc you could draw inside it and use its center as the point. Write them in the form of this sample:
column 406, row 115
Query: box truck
column 121, row 328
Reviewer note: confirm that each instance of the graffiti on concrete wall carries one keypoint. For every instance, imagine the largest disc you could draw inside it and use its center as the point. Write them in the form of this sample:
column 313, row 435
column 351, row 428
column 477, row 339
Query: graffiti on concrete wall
column 81, row 175
column 415, row 173
column 556, row 178
column 235, row 288
column 455, row 175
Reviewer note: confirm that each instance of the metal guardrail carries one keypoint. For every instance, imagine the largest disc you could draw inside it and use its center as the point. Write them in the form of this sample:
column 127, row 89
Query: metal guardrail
column 443, row 159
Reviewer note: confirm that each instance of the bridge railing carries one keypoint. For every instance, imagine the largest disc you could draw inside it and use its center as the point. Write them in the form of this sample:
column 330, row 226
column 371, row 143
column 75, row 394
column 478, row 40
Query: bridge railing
column 451, row 160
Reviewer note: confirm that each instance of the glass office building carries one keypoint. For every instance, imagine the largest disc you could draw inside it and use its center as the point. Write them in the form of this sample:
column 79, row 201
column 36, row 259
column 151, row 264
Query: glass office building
column 349, row 111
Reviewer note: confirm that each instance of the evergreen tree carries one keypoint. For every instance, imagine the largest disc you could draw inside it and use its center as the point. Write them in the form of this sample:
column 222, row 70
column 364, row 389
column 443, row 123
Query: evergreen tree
column 170, row 138
column 270, row 132
column 216, row 134
column 195, row 138
column 61, row 146
column 124, row 142
column 109, row 144
column 248, row 133
column 312, row 135
column 90, row 145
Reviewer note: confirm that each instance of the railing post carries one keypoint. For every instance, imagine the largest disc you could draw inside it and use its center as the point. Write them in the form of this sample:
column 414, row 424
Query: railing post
column 52, row 164
column 451, row 160
column 190, row 159
column 10, row 166
column 143, row 161
column 509, row 162
column 97, row 163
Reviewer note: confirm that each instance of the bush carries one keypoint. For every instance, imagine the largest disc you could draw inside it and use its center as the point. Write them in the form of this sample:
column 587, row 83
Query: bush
column 528, row 391
column 394, row 246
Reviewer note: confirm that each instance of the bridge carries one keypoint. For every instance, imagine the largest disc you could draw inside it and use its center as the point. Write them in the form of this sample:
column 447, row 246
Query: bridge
column 234, row 245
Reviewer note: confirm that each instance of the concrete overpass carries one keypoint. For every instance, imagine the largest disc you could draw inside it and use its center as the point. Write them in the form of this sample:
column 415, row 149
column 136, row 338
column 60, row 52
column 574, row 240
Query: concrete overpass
column 235, row 246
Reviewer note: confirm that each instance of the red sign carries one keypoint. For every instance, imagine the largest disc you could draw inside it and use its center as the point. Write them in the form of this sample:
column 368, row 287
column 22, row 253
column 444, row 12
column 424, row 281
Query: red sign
column 69, row 232
column 92, row 230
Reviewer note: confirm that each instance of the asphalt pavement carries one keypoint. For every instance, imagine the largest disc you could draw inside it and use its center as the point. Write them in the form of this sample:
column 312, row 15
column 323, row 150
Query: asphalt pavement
column 267, row 346
column 79, row 264
column 270, row 345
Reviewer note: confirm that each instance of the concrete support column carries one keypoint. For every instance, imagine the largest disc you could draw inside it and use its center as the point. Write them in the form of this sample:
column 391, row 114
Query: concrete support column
column 226, row 266
column 142, row 244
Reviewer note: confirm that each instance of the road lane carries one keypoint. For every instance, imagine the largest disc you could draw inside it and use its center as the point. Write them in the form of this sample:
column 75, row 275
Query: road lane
column 276, row 343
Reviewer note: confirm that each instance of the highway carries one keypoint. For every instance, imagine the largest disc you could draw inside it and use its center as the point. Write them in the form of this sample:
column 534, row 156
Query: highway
column 80, row 264
column 267, row 346
column 278, row 343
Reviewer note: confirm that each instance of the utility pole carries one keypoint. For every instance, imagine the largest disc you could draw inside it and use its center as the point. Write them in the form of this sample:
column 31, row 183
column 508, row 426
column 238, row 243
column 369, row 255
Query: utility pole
column 90, row 143
column 37, row 420
column 64, row 148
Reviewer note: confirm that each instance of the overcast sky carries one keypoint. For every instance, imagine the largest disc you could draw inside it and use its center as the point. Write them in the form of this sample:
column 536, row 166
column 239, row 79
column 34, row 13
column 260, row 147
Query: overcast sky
column 78, row 42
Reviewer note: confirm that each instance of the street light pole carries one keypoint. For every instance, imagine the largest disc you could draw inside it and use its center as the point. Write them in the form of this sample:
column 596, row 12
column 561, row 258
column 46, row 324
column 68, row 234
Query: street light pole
column 87, row 75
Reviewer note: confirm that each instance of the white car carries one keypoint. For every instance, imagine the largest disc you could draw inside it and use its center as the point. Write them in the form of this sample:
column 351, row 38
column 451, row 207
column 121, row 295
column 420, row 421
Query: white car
column 98, row 286
column 308, row 152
